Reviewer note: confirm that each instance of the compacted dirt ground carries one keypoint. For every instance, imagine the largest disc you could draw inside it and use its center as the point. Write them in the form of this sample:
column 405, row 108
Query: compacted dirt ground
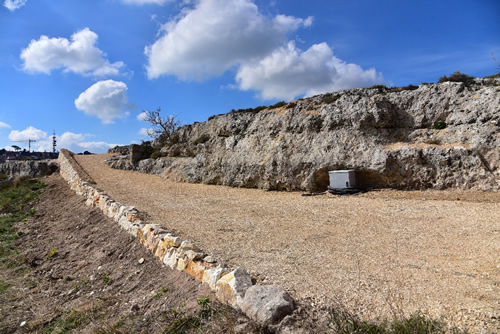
column 77, row 271
column 380, row 254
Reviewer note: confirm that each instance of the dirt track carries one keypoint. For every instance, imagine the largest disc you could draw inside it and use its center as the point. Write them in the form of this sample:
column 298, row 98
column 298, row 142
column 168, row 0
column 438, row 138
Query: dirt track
column 379, row 253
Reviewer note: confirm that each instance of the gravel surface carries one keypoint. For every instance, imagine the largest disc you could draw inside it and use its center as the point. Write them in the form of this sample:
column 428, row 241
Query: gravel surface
column 380, row 253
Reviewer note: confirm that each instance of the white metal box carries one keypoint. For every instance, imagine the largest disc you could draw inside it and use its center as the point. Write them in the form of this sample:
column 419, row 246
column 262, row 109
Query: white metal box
column 340, row 179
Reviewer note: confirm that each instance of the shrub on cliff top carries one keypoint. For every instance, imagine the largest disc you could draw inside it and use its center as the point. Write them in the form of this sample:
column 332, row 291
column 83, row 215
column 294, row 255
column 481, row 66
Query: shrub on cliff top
column 457, row 77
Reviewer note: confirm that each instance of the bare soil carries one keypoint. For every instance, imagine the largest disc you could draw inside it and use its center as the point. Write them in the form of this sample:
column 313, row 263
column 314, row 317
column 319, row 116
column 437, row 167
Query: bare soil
column 78, row 271
column 380, row 253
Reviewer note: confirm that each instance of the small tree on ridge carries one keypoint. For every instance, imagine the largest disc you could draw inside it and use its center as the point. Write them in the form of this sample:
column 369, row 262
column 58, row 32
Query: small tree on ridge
column 162, row 127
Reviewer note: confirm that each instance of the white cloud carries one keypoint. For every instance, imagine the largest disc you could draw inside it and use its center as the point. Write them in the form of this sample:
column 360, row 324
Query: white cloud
column 144, row 132
column 141, row 116
column 106, row 100
column 289, row 72
column 215, row 36
column 27, row 134
column 80, row 55
column 74, row 142
column 145, row 2
column 96, row 146
column 68, row 139
column 4, row 125
column 12, row 5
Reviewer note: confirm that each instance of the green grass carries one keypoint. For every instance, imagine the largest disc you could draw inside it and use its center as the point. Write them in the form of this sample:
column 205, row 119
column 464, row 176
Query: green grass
column 17, row 199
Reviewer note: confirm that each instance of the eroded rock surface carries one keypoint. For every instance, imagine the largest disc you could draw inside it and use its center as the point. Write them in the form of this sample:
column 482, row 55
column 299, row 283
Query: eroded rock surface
column 28, row 168
column 390, row 137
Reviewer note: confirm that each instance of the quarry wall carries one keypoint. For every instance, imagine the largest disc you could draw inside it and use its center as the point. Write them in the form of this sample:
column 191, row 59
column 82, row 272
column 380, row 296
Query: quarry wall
column 444, row 135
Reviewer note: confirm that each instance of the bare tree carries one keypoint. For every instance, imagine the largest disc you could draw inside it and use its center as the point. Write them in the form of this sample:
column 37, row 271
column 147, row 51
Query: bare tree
column 163, row 127
column 495, row 60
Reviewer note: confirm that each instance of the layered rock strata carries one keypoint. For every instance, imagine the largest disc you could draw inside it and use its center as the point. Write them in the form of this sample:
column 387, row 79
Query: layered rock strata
column 444, row 135
column 28, row 168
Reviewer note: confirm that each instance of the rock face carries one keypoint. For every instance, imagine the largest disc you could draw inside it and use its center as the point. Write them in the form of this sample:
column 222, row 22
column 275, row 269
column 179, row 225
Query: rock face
column 444, row 135
column 28, row 168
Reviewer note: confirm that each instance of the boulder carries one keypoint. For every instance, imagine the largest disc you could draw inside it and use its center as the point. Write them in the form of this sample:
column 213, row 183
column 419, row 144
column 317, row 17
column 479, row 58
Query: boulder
column 266, row 304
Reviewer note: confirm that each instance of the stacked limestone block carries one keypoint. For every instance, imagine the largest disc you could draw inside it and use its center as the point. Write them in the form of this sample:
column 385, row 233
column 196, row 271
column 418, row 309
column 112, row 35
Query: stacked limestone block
column 230, row 286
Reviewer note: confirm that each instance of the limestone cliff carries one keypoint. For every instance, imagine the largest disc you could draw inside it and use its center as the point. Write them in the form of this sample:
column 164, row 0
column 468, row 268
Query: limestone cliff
column 431, row 136
column 28, row 168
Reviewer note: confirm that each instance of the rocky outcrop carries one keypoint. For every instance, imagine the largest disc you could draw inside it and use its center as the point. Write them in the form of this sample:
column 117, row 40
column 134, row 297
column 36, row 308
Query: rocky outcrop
column 28, row 168
column 444, row 135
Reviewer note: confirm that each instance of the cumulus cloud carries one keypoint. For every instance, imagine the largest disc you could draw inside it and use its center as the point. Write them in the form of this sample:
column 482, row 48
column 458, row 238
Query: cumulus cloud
column 145, row 132
column 215, row 36
column 4, row 125
column 12, row 5
column 27, row 134
column 145, row 2
column 141, row 116
column 80, row 55
column 96, row 146
column 74, row 142
column 288, row 72
column 106, row 100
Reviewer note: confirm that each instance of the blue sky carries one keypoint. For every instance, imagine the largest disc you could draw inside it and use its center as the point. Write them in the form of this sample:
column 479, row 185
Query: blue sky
column 87, row 69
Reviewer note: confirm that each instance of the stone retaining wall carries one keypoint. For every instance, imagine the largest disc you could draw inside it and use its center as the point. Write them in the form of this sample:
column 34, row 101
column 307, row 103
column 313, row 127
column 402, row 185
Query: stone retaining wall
column 264, row 304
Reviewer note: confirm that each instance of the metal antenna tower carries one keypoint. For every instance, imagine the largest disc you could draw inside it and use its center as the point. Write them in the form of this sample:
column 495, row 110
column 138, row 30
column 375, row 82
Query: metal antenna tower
column 54, row 142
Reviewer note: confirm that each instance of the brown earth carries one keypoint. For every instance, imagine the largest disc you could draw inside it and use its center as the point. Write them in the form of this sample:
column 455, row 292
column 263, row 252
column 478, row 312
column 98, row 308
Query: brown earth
column 93, row 280
column 380, row 254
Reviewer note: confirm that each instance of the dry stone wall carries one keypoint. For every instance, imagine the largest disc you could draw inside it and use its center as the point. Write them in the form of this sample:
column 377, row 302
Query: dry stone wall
column 230, row 285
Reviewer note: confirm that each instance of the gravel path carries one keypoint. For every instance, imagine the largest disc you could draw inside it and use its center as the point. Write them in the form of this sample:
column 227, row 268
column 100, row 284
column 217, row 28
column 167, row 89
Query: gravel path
column 377, row 253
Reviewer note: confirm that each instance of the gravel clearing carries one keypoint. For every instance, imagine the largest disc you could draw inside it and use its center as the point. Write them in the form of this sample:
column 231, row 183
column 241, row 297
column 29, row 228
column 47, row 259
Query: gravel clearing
column 380, row 253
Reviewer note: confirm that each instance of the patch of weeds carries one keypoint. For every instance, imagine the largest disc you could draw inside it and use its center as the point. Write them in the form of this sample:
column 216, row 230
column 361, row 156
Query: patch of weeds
column 106, row 278
column 3, row 286
column 439, row 125
column 17, row 199
column 329, row 98
column 345, row 322
column 400, row 89
column 51, row 254
column 160, row 293
column 182, row 323
column 202, row 139
column 70, row 321
column 156, row 155
column 493, row 76
column 457, row 77
column 206, row 309
column 291, row 105
column 203, row 301
column 251, row 110
column 278, row 105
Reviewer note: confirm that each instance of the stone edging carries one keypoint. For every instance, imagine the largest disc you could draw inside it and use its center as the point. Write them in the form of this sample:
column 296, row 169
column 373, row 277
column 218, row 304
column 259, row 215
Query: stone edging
column 264, row 304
